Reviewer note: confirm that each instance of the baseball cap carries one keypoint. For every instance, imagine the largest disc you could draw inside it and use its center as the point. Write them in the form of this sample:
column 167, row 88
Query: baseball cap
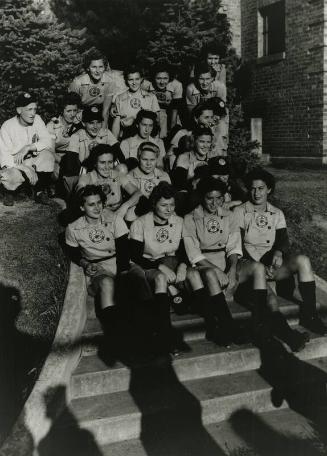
column 219, row 166
column 91, row 113
column 25, row 99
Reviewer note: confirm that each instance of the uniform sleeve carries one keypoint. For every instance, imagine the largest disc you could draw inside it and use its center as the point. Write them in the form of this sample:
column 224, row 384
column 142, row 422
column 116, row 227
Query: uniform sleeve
column 74, row 86
column 189, row 96
column 83, row 181
column 234, row 243
column 73, row 145
column 178, row 90
column 45, row 141
column 221, row 90
column 6, row 158
column 162, row 150
column 137, row 231
column 70, row 237
column 166, row 178
column 191, row 241
column 281, row 222
column 239, row 217
column 281, row 241
column 112, row 140
column 125, row 148
column 155, row 105
column 120, row 227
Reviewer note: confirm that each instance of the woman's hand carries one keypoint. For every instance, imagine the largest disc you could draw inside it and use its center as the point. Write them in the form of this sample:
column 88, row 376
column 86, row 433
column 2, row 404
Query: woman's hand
column 170, row 275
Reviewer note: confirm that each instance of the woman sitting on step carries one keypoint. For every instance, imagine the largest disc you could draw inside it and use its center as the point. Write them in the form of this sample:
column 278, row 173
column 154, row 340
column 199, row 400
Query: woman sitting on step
column 265, row 239
column 213, row 245
column 98, row 242
column 155, row 240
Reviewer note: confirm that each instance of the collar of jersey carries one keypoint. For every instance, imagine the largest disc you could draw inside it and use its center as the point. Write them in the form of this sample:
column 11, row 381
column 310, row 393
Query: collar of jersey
column 249, row 207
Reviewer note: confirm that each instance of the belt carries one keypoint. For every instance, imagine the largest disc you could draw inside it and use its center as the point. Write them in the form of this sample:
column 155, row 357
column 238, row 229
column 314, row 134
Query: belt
column 98, row 260
column 223, row 249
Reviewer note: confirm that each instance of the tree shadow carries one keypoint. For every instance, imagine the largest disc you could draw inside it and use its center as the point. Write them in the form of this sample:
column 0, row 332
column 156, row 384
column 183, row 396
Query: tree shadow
column 65, row 437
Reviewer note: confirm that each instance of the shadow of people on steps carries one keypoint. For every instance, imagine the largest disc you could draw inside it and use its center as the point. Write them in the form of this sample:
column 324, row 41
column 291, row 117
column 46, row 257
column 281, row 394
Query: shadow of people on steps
column 65, row 437
column 265, row 440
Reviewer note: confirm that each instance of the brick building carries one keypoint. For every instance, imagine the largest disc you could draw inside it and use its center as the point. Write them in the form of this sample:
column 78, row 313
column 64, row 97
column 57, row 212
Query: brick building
column 284, row 44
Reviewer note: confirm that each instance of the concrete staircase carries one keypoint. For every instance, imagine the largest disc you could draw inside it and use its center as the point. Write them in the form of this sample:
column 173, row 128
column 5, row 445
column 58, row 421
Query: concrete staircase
column 181, row 407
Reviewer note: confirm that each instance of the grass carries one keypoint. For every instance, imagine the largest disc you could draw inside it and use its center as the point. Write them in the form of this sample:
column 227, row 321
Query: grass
column 33, row 277
column 302, row 195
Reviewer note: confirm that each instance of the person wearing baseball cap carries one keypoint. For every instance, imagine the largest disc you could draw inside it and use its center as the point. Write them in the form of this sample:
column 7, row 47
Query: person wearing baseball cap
column 26, row 151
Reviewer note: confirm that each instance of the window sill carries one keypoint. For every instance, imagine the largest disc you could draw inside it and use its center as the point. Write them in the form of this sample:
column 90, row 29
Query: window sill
column 273, row 58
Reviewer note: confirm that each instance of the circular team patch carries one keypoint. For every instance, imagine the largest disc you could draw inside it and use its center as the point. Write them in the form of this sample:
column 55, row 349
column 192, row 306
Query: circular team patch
column 148, row 186
column 94, row 91
column 96, row 235
column 163, row 97
column 106, row 189
column 135, row 103
column 92, row 144
column 261, row 221
column 213, row 226
column 162, row 235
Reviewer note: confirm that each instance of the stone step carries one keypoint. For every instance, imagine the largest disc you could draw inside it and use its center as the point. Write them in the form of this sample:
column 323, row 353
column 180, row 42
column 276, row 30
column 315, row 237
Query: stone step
column 193, row 323
column 93, row 377
column 157, row 397
column 279, row 432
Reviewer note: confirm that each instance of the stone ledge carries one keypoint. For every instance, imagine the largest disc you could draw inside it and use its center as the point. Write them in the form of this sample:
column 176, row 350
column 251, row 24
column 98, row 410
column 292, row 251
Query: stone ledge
column 58, row 367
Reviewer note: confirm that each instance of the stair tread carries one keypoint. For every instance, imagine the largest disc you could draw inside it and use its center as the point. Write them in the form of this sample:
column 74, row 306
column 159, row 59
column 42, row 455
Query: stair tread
column 161, row 390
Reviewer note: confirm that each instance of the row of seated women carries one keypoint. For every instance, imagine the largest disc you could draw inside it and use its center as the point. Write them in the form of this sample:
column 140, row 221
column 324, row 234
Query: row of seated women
column 215, row 249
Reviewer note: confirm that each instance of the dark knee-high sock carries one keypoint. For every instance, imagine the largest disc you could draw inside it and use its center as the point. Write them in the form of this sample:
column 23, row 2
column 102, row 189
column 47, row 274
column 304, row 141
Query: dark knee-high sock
column 308, row 294
column 280, row 326
column 163, row 305
column 221, row 311
column 203, row 303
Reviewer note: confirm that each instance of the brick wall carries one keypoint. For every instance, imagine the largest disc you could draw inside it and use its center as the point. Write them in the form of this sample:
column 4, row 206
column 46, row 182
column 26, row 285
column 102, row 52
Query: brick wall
column 233, row 10
column 295, row 121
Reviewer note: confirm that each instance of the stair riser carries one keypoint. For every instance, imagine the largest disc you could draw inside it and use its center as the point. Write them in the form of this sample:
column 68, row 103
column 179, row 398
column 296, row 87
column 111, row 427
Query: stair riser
column 227, row 362
column 215, row 410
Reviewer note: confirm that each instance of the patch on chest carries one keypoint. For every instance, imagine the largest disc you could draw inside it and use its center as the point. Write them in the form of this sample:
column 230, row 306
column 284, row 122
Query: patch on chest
column 212, row 226
column 92, row 144
column 135, row 103
column 261, row 221
column 162, row 235
column 106, row 188
column 163, row 97
column 96, row 235
column 94, row 91
column 148, row 186
column 65, row 133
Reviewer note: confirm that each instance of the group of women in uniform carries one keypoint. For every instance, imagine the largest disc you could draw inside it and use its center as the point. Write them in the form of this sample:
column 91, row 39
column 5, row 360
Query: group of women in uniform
column 159, row 209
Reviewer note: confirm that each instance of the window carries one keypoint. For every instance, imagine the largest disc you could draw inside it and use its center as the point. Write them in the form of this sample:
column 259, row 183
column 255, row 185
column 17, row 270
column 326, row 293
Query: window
column 271, row 29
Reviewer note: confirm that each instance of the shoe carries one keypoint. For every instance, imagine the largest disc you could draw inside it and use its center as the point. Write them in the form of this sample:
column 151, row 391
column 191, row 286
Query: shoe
column 8, row 199
column 297, row 340
column 51, row 191
column 42, row 198
column 314, row 324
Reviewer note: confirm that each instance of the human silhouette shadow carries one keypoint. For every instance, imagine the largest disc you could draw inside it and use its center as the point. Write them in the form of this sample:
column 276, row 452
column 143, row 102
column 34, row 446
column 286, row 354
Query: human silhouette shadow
column 19, row 353
column 266, row 441
column 301, row 384
column 65, row 437
column 171, row 422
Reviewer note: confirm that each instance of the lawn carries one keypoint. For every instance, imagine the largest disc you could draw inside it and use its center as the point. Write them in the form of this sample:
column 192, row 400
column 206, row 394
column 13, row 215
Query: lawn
column 33, row 277
column 302, row 194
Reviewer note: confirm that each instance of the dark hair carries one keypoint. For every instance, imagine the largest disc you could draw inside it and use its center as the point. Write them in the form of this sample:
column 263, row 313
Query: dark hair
column 200, row 131
column 213, row 48
column 203, row 68
column 146, row 114
column 210, row 184
column 132, row 69
column 94, row 55
column 96, row 152
column 162, row 190
column 70, row 98
column 260, row 174
column 201, row 107
column 90, row 190
column 163, row 67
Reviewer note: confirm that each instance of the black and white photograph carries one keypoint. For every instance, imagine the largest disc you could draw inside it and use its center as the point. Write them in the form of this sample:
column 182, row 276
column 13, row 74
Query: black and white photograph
column 163, row 220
